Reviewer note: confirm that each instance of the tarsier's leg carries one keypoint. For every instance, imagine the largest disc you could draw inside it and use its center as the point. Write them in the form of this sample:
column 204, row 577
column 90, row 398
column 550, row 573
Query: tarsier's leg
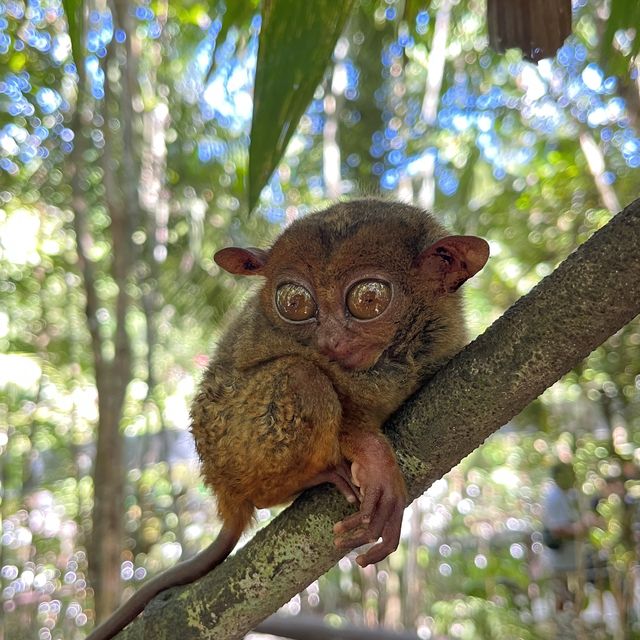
column 384, row 496
column 283, row 422
column 317, row 407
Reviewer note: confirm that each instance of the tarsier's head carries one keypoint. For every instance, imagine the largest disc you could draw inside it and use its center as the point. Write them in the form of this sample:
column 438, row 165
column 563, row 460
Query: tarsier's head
column 361, row 279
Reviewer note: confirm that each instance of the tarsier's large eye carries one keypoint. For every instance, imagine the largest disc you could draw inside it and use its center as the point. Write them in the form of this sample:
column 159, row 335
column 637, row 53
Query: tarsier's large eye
column 367, row 299
column 294, row 302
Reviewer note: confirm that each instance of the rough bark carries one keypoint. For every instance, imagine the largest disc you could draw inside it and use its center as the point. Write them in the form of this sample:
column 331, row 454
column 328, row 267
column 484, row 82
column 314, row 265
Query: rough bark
column 595, row 292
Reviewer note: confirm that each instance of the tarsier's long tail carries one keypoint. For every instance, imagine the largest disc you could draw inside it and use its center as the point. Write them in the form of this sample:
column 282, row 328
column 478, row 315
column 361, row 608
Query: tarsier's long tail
column 183, row 573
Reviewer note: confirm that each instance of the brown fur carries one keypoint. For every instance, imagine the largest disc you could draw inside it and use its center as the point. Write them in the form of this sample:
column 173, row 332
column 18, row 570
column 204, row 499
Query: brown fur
column 283, row 405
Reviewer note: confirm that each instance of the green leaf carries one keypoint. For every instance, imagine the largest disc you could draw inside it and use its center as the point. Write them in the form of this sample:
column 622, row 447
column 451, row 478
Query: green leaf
column 296, row 43
column 73, row 9
column 624, row 14
column 238, row 14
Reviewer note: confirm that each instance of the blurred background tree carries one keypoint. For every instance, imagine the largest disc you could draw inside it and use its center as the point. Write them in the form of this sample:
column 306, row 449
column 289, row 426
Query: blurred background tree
column 121, row 175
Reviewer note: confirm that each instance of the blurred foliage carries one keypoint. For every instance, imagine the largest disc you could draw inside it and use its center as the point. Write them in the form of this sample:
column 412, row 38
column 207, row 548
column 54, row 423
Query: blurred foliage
column 295, row 47
column 532, row 158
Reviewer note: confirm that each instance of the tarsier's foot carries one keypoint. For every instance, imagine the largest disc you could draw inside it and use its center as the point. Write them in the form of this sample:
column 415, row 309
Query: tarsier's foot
column 380, row 517
column 340, row 476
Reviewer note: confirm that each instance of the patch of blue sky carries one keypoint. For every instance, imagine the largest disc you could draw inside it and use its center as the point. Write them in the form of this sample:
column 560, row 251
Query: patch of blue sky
column 487, row 144
column 96, row 75
column 211, row 148
column 396, row 157
column 417, row 165
column 606, row 134
column 14, row 84
column 99, row 37
column 66, row 135
column 48, row 100
column 228, row 92
column 5, row 43
column 631, row 152
column 8, row 144
column 609, row 177
column 446, row 180
column 390, row 179
column 21, row 107
column 593, row 77
column 422, row 22
column 13, row 8
column 544, row 115
column 492, row 99
column 386, row 57
column 60, row 48
column 498, row 172
column 27, row 153
column 36, row 38
column 275, row 193
column 353, row 160
column 390, row 132
column 34, row 11
column 353, row 74
column 9, row 166
column 610, row 85
column 571, row 55
column 42, row 133
column 405, row 40
column 315, row 182
column 376, row 150
column 275, row 215
column 524, row 155
column 395, row 49
column 144, row 13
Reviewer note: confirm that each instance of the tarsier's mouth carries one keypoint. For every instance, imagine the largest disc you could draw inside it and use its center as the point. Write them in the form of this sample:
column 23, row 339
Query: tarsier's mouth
column 358, row 360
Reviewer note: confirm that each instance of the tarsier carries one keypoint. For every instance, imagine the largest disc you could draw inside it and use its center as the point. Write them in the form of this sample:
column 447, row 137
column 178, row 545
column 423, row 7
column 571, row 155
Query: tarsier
column 359, row 305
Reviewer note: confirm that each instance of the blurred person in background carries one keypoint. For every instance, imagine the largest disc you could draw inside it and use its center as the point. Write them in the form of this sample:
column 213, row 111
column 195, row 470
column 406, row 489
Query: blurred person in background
column 563, row 533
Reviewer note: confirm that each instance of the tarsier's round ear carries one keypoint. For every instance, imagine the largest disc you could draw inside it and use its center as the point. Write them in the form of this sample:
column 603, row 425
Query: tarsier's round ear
column 242, row 262
column 451, row 261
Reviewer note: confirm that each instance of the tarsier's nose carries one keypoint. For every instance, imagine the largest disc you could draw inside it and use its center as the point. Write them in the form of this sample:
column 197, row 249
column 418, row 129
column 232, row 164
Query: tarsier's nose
column 332, row 341
column 334, row 348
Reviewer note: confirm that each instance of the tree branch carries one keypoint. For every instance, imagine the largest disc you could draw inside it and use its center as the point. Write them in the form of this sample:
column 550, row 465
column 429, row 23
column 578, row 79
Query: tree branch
column 593, row 293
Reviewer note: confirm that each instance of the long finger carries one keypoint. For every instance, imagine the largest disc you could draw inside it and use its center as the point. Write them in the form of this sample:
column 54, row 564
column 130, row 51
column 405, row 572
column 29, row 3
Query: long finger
column 343, row 470
column 363, row 517
column 348, row 490
column 388, row 544
column 353, row 531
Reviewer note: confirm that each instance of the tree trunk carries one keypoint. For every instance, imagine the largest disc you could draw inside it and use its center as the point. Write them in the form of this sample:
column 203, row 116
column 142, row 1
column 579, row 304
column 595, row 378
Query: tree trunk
column 591, row 295
column 113, row 372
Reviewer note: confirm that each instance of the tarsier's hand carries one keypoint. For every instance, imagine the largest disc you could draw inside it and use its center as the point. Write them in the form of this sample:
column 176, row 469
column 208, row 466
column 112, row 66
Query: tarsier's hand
column 384, row 498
